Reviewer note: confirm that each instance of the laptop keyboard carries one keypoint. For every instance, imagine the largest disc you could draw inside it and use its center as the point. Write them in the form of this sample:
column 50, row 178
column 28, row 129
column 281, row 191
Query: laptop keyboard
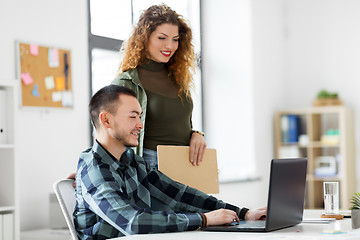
column 249, row 224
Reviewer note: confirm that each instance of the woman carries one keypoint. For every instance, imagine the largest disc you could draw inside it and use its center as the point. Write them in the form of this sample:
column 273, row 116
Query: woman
column 157, row 64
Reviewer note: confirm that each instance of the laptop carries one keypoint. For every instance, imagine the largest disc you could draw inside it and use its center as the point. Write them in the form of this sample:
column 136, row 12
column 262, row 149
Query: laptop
column 285, row 199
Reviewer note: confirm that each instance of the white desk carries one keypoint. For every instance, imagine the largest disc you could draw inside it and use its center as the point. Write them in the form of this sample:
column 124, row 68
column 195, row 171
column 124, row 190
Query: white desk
column 305, row 231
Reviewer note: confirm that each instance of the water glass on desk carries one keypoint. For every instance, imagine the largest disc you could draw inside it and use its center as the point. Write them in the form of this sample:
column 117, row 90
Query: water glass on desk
column 331, row 198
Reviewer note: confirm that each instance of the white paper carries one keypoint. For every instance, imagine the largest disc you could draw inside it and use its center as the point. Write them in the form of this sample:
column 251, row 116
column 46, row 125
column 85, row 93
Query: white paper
column 53, row 57
column 56, row 96
column 67, row 99
column 318, row 220
column 49, row 82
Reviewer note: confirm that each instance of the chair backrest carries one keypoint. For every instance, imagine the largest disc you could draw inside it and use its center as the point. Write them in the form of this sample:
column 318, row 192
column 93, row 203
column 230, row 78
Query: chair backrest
column 65, row 194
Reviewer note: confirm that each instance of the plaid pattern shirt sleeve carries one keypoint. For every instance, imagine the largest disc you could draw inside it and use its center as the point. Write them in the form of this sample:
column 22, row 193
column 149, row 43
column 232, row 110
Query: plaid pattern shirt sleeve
column 117, row 198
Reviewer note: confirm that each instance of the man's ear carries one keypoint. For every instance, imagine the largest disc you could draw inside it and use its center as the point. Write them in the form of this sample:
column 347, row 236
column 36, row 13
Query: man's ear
column 104, row 118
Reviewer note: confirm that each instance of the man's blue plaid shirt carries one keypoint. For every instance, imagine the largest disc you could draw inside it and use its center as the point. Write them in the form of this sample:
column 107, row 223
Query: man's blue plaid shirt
column 116, row 198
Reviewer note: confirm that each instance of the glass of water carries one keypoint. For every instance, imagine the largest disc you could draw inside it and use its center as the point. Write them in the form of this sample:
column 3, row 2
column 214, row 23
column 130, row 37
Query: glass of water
column 331, row 198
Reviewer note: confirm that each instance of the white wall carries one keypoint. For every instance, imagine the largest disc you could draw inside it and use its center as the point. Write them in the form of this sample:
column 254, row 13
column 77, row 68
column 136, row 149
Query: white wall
column 268, row 77
column 48, row 142
column 227, row 87
column 298, row 48
column 323, row 51
column 242, row 80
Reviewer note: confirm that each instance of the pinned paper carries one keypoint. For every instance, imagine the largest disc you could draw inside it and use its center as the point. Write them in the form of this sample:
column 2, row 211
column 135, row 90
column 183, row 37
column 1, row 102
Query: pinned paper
column 35, row 91
column 66, row 99
column 60, row 83
column 53, row 57
column 49, row 82
column 26, row 78
column 34, row 49
column 56, row 96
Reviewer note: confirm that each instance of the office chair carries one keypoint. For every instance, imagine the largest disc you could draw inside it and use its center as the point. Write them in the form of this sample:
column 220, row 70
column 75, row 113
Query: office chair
column 65, row 194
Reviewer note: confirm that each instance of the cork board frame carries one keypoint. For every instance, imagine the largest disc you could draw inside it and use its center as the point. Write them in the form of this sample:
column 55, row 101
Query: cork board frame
column 45, row 76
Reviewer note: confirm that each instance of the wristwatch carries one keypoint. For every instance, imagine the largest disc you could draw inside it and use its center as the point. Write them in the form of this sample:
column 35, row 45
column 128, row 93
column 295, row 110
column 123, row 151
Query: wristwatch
column 196, row 131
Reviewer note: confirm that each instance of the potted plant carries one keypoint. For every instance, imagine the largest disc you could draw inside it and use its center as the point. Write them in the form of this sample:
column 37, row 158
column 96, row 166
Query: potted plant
column 325, row 98
column 355, row 210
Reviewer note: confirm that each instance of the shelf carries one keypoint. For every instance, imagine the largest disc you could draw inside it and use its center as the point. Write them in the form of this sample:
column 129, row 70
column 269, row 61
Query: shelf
column 311, row 177
column 309, row 128
column 314, row 144
column 318, row 144
column 7, row 209
column 8, row 201
column 327, row 179
column 293, row 145
column 7, row 84
column 6, row 146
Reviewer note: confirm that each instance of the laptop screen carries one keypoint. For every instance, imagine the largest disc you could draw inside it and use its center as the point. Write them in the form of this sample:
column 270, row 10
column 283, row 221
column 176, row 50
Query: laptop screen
column 286, row 192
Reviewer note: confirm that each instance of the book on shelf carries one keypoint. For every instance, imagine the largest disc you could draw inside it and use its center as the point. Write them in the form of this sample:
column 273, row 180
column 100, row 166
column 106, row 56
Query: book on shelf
column 290, row 128
column 284, row 125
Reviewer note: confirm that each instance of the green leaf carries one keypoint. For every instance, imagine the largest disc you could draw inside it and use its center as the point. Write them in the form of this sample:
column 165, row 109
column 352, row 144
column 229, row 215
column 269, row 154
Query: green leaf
column 355, row 201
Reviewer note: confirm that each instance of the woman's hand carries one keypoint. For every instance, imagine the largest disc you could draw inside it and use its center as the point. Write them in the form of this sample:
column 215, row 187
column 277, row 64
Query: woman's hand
column 197, row 148
column 72, row 176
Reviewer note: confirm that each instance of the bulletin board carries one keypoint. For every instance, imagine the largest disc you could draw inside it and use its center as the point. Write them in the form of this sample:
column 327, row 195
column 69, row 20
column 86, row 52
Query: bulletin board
column 45, row 74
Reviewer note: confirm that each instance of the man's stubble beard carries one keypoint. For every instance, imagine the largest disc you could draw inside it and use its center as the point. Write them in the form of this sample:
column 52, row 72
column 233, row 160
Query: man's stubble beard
column 126, row 143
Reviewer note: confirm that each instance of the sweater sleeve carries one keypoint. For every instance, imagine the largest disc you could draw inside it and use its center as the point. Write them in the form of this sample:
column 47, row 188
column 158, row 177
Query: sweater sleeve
column 181, row 197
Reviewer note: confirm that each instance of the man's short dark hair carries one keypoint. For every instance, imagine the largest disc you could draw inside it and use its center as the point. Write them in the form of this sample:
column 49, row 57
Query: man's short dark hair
column 106, row 99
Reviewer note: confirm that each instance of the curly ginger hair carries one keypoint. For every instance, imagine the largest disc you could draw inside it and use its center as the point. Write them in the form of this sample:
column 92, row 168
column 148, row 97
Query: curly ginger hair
column 181, row 64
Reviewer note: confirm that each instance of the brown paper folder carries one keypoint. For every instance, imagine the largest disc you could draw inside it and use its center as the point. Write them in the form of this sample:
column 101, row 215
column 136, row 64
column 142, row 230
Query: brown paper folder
column 174, row 162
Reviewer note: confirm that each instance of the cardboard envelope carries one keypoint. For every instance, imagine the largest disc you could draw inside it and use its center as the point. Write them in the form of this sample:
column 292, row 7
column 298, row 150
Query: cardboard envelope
column 174, row 162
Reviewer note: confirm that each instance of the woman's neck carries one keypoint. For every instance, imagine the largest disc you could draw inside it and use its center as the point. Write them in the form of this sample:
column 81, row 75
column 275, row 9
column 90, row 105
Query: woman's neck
column 153, row 66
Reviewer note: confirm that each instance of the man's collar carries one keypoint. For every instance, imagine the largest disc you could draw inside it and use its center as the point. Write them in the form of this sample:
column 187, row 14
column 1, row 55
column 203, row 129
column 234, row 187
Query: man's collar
column 125, row 159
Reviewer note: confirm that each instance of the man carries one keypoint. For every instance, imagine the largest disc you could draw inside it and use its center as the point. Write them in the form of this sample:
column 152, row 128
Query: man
column 118, row 194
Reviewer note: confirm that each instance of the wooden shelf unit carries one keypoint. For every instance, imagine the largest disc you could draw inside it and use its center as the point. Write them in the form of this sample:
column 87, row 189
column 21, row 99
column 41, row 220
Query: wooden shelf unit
column 314, row 122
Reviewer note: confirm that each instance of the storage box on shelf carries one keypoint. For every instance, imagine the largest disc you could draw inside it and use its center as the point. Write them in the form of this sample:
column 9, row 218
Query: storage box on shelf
column 325, row 136
column 8, row 204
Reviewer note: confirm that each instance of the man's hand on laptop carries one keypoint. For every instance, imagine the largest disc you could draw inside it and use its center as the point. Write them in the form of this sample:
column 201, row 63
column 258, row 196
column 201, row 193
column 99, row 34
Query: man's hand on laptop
column 256, row 214
column 220, row 217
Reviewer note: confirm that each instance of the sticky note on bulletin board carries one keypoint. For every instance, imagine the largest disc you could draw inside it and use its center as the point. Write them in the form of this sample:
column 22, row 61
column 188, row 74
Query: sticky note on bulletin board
column 45, row 74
